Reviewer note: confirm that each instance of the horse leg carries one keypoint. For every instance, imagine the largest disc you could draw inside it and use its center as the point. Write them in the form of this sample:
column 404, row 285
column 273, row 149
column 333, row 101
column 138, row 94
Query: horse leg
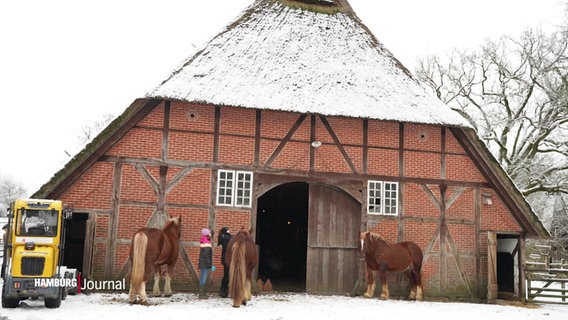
column 419, row 294
column 410, row 275
column 418, row 282
column 132, row 293
column 248, row 294
column 168, row 284
column 370, row 283
column 156, row 289
column 142, row 293
column 384, row 286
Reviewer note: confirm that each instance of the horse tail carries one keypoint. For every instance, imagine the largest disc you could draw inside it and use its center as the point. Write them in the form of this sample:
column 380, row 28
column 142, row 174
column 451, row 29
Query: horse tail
column 237, row 273
column 417, row 259
column 139, row 245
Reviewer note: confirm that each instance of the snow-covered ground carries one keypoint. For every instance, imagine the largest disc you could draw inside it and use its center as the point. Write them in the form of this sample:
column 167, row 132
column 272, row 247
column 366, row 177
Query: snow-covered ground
column 106, row 306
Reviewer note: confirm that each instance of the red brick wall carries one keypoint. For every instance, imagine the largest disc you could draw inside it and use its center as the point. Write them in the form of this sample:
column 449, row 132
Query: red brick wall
column 277, row 124
column 422, row 164
column 420, row 233
column 462, row 168
column 155, row 119
column 193, row 189
column 417, row 203
column 236, row 150
column 383, row 134
column 191, row 139
column 239, row 121
column 329, row 159
column 422, row 137
column 295, row 155
column 383, row 162
column 93, row 190
column 191, row 146
column 191, row 117
column 134, row 187
column 452, row 145
column 128, row 226
column 496, row 217
column 463, row 207
column 139, row 143
column 348, row 130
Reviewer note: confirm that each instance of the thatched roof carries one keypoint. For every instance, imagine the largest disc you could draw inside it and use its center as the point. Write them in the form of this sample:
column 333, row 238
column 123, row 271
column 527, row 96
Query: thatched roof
column 281, row 57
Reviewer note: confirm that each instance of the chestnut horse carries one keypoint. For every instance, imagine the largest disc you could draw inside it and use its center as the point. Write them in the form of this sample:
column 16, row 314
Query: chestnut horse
column 152, row 248
column 242, row 257
column 385, row 257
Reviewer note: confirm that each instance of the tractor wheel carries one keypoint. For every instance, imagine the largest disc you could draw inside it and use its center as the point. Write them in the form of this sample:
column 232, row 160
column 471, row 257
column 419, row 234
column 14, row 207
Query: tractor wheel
column 52, row 302
column 9, row 302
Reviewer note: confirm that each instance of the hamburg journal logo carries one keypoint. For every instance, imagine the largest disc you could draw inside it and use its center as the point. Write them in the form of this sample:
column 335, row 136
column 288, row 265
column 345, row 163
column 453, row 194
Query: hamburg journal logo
column 85, row 284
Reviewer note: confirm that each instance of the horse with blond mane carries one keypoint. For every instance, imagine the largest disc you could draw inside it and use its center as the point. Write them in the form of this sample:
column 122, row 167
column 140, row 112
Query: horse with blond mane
column 242, row 257
column 385, row 257
column 150, row 249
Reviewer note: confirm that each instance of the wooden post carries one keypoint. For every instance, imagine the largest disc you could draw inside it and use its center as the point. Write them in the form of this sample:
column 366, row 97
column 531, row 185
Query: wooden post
column 492, row 286
column 529, row 286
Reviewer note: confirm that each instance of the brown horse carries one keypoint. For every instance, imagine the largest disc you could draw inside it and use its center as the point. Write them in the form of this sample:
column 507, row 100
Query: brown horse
column 152, row 248
column 242, row 257
column 382, row 256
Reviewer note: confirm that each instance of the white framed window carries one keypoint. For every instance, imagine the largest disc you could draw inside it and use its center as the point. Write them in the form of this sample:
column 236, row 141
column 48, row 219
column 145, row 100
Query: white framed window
column 382, row 197
column 234, row 188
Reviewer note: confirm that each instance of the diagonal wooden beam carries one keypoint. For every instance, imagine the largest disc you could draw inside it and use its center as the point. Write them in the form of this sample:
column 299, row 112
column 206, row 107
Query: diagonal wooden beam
column 338, row 144
column 177, row 179
column 432, row 196
column 456, row 255
column 430, row 245
column 286, row 139
column 459, row 191
column 148, row 177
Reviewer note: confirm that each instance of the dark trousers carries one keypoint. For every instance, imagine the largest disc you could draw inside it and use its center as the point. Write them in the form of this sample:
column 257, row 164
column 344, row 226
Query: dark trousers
column 225, row 280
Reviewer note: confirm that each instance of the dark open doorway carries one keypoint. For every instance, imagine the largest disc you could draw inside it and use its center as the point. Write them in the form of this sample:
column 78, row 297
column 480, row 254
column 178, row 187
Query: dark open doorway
column 75, row 241
column 281, row 234
column 507, row 266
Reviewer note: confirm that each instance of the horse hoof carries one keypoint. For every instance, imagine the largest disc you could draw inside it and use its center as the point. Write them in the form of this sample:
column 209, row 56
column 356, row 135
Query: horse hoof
column 244, row 303
column 366, row 295
column 168, row 295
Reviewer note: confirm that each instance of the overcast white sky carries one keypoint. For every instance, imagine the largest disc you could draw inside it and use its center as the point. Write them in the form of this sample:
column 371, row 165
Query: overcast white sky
column 65, row 63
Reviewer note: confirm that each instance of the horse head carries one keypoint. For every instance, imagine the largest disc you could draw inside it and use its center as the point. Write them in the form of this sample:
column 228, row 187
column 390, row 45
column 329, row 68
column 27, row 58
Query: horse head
column 174, row 224
column 246, row 233
column 363, row 244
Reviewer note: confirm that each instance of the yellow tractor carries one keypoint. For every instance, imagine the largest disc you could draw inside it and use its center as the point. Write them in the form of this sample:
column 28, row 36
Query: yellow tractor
column 33, row 253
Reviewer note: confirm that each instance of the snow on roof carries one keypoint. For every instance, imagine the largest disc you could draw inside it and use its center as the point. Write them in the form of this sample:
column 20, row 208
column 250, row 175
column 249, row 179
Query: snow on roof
column 282, row 58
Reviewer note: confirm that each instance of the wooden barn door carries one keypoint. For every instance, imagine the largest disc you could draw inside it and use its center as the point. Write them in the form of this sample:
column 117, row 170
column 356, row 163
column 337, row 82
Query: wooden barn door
column 492, row 285
column 333, row 226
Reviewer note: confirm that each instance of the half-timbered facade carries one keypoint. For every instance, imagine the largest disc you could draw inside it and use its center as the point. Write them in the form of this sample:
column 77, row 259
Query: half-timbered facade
column 308, row 145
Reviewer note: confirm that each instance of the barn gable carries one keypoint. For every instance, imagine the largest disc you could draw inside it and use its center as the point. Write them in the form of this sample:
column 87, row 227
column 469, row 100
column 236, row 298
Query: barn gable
column 307, row 135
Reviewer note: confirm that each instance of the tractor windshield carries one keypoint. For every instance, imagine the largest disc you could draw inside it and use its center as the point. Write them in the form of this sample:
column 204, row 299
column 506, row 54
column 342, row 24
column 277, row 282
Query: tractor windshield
column 36, row 223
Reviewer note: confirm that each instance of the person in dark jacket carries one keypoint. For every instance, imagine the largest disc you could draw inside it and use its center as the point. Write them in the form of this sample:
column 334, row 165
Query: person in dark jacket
column 205, row 260
column 223, row 241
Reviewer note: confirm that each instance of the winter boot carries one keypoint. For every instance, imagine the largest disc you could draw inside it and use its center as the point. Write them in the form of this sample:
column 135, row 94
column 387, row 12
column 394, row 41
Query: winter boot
column 202, row 294
column 223, row 293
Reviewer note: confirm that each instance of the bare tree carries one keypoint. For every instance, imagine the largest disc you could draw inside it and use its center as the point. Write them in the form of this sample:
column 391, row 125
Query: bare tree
column 559, row 227
column 10, row 190
column 514, row 92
